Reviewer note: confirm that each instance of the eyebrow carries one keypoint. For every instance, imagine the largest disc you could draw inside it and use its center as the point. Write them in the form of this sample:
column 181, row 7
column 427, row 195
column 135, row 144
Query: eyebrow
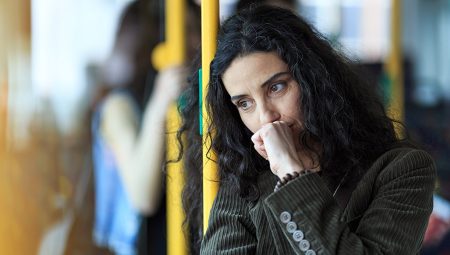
column 267, row 82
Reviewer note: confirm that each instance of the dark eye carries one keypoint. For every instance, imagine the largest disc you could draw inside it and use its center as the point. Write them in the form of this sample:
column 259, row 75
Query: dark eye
column 275, row 88
column 245, row 104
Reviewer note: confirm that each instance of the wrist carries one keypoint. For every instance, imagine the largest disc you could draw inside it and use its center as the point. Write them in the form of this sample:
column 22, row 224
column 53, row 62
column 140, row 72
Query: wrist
column 291, row 166
column 289, row 177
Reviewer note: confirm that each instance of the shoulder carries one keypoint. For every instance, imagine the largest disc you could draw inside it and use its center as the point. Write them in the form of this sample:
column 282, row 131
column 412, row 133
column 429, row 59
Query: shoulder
column 229, row 197
column 401, row 175
column 117, row 104
column 400, row 162
column 228, row 190
column 118, row 101
column 407, row 157
column 118, row 111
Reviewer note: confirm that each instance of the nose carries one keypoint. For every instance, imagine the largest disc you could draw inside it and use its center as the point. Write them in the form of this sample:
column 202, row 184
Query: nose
column 268, row 114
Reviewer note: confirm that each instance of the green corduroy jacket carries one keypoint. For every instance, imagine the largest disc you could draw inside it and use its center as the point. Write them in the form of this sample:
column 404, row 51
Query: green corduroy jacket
column 385, row 213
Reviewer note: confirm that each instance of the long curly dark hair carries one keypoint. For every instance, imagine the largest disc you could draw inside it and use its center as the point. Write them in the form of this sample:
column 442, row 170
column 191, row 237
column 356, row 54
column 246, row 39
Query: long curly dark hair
column 342, row 110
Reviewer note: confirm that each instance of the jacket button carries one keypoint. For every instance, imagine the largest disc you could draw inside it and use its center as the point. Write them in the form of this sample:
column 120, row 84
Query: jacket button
column 298, row 235
column 304, row 245
column 291, row 227
column 310, row 252
column 285, row 217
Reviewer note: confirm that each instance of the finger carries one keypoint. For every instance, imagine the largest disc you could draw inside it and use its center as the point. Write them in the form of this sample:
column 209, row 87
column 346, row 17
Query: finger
column 259, row 144
column 265, row 130
column 260, row 152
column 263, row 151
column 281, row 125
column 256, row 138
column 279, row 122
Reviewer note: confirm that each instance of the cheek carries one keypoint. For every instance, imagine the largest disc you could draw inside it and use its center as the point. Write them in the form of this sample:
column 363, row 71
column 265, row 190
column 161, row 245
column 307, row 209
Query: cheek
column 294, row 107
column 297, row 115
column 291, row 112
column 249, row 123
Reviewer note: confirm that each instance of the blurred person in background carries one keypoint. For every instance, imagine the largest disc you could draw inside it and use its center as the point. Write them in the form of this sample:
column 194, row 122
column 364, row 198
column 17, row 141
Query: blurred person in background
column 128, row 137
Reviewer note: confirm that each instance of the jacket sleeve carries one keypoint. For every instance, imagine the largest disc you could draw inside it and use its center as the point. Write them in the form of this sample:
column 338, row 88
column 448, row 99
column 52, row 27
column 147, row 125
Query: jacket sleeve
column 230, row 229
column 399, row 202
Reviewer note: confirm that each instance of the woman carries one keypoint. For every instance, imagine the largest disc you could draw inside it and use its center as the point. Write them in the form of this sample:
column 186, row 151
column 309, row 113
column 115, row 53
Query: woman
column 309, row 163
column 128, row 137
column 192, row 191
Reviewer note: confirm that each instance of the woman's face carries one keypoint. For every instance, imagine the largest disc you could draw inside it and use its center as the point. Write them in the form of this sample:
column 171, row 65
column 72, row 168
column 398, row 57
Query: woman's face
column 263, row 90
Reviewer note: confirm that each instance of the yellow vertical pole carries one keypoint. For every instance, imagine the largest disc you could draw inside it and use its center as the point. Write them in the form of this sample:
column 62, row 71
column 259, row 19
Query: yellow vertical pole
column 3, row 101
column 210, row 25
column 394, row 65
column 176, row 235
column 172, row 52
